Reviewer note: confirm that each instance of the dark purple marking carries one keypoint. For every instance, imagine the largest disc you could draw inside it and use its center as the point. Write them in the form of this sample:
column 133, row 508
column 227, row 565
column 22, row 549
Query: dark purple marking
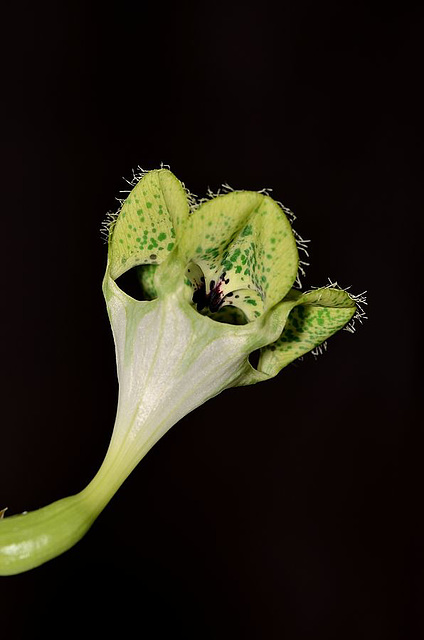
column 200, row 298
column 214, row 298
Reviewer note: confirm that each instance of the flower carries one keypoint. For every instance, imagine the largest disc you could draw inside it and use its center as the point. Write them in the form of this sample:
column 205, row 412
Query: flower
column 216, row 282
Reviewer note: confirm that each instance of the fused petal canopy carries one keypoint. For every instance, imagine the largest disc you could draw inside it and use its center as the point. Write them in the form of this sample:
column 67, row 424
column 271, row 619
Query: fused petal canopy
column 236, row 256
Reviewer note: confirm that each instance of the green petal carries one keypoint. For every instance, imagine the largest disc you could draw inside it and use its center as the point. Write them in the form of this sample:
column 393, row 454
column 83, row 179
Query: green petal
column 146, row 278
column 243, row 246
column 148, row 223
column 312, row 318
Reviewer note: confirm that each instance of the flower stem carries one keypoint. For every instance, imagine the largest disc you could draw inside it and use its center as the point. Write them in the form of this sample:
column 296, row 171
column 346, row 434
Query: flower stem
column 29, row 539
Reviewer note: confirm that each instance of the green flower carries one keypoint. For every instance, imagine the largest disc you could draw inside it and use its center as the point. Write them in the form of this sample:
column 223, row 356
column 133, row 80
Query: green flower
column 216, row 283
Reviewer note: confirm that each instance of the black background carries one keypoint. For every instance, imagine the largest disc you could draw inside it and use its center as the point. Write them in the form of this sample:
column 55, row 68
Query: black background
column 289, row 510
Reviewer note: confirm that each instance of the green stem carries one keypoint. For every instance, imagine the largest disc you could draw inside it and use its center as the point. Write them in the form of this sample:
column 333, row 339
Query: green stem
column 28, row 540
column 170, row 360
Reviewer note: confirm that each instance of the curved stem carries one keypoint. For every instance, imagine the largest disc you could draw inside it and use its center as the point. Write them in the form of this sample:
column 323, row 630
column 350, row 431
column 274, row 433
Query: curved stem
column 29, row 539
column 170, row 360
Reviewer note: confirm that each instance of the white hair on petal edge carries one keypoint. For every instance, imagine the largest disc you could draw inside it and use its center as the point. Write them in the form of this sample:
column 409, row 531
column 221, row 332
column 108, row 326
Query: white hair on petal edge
column 301, row 243
column 359, row 315
column 360, row 300
column 195, row 202
column 111, row 216
column 320, row 349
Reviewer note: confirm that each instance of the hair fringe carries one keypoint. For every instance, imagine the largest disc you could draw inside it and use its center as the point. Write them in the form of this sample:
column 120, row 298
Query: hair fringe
column 195, row 202
column 359, row 299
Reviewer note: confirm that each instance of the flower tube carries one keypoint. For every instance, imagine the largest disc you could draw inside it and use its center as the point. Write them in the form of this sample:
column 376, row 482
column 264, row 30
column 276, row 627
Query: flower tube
column 216, row 284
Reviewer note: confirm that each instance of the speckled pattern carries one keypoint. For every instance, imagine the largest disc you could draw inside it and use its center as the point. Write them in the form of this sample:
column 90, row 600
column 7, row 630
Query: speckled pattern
column 147, row 226
column 238, row 259
column 238, row 249
column 241, row 252
column 316, row 316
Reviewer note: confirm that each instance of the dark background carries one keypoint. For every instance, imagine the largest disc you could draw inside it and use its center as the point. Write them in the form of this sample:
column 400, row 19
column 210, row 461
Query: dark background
column 301, row 517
